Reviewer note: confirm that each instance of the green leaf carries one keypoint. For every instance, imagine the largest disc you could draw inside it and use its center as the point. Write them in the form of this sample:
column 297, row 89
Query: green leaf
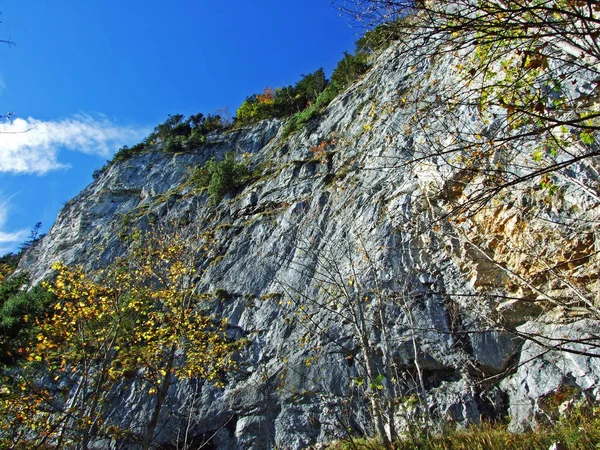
column 586, row 138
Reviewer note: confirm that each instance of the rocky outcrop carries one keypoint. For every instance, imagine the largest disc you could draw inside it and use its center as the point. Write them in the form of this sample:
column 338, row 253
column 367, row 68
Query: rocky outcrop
column 340, row 196
column 555, row 370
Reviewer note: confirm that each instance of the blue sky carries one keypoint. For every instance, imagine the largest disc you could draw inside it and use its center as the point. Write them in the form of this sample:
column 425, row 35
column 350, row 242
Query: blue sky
column 87, row 77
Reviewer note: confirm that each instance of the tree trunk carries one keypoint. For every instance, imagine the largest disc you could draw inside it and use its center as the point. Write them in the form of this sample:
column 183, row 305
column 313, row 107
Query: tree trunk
column 161, row 395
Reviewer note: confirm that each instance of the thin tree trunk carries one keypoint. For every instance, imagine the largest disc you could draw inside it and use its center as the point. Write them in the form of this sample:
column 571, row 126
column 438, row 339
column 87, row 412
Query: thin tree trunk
column 161, row 395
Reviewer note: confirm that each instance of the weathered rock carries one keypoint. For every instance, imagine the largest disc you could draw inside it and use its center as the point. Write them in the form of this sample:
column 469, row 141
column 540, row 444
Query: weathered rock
column 555, row 366
column 362, row 211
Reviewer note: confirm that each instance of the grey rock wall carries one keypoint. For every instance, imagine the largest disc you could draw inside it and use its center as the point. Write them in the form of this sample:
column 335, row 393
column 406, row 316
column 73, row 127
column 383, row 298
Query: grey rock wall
column 276, row 238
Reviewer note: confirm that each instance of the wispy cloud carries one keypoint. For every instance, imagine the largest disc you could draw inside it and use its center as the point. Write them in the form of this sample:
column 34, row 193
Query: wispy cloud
column 32, row 146
column 9, row 240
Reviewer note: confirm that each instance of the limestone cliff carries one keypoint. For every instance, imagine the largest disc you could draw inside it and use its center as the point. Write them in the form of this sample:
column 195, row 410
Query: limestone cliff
column 345, row 194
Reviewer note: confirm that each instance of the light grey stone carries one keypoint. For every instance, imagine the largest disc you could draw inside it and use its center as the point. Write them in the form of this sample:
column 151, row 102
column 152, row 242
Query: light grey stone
column 277, row 237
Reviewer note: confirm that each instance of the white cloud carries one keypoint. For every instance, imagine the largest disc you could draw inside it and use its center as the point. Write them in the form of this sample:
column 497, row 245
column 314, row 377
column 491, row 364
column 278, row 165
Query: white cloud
column 9, row 240
column 32, row 146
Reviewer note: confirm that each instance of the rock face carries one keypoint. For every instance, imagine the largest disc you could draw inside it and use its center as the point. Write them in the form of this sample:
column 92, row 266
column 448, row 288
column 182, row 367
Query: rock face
column 339, row 199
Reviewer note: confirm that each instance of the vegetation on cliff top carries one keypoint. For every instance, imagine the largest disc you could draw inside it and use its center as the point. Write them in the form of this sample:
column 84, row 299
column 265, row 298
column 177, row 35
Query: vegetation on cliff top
column 300, row 102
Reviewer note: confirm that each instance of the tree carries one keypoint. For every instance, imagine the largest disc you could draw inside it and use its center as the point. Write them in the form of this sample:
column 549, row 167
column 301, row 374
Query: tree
column 284, row 101
column 10, row 261
column 518, row 110
column 142, row 318
column 353, row 310
column 311, row 85
column 349, row 69
column 8, row 264
column 19, row 310
column 256, row 107
column 520, row 57
column 34, row 236
column 502, row 134
column 225, row 176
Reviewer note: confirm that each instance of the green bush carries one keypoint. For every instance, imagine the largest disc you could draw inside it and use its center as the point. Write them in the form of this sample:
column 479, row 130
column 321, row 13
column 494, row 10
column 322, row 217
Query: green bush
column 310, row 86
column 8, row 263
column 287, row 101
column 199, row 178
column 203, row 125
column 220, row 178
column 98, row 172
column 300, row 119
column 196, row 139
column 349, row 69
column 282, row 102
column 221, row 294
column 174, row 144
column 225, row 177
column 176, row 134
column 380, row 37
column 126, row 152
column 327, row 96
column 254, row 110
column 175, row 125
column 19, row 310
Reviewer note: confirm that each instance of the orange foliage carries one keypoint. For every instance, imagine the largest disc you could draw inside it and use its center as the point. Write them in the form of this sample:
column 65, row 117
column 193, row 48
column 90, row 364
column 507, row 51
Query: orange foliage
column 268, row 96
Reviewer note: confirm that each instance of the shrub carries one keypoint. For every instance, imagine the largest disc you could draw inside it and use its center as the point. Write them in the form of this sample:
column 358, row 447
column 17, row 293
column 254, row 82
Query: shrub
column 175, row 144
column 299, row 120
column 125, row 152
column 199, row 178
column 175, row 125
column 349, row 69
column 221, row 177
column 8, row 263
column 196, row 139
column 176, row 134
column 311, row 85
column 327, row 96
column 98, row 172
column 293, row 99
column 284, row 101
column 19, row 310
column 380, row 37
column 221, row 294
column 254, row 110
column 210, row 123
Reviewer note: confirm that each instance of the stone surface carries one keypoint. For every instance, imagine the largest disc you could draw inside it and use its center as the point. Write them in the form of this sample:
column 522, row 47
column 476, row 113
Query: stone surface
column 363, row 210
column 553, row 369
